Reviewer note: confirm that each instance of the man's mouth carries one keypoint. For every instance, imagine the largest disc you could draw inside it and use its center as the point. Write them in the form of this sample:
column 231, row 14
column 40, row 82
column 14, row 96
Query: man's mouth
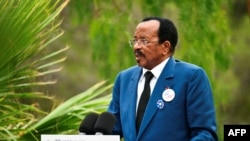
column 138, row 55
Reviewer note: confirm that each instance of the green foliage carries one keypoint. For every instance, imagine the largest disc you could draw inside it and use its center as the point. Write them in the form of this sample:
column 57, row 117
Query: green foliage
column 27, row 27
column 106, row 44
column 66, row 118
column 203, row 36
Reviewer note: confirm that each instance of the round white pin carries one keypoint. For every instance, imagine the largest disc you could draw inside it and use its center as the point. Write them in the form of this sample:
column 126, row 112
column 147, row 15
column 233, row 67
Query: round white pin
column 168, row 95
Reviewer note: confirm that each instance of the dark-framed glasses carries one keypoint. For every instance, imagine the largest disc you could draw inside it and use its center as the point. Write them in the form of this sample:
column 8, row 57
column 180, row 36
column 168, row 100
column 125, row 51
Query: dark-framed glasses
column 143, row 42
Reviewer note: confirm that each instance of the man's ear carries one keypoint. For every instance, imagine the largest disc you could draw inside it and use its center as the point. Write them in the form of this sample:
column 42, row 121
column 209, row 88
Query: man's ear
column 167, row 47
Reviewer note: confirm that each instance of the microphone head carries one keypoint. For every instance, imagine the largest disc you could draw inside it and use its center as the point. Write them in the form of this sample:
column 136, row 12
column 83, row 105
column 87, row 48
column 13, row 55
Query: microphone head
column 105, row 123
column 88, row 123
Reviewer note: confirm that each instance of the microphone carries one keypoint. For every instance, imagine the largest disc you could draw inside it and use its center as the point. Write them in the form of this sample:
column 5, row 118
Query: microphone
column 87, row 124
column 104, row 124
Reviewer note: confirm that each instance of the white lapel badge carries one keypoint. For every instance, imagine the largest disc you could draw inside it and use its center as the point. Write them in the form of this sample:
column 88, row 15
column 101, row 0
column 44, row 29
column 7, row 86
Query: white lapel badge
column 168, row 95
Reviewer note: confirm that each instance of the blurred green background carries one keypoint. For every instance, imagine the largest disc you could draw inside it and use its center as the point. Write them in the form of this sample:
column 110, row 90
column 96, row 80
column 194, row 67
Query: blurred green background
column 212, row 34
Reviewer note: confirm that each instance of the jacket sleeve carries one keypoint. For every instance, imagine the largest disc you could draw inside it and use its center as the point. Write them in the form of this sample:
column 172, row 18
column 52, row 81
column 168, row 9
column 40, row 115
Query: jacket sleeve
column 114, row 107
column 200, row 108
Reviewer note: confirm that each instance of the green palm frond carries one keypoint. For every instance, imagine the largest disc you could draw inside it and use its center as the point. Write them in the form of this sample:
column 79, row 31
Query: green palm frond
column 27, row 27
column 66, row 118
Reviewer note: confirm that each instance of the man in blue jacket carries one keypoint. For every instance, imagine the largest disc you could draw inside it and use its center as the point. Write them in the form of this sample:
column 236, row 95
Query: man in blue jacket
column 180, row 104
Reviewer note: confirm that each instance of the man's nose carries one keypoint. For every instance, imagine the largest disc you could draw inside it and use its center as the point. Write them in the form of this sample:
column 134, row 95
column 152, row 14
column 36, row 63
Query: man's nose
column 137, row 45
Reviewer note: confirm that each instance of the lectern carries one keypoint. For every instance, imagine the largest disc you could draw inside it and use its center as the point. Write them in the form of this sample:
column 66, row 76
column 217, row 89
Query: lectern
column 80, row 137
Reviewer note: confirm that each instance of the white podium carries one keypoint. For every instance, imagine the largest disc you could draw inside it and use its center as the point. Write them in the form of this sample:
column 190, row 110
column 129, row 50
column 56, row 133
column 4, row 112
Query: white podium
column 80, row 138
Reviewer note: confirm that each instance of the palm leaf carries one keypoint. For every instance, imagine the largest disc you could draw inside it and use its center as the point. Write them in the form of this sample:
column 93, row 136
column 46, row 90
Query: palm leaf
column 66, row 118
column 27, row 27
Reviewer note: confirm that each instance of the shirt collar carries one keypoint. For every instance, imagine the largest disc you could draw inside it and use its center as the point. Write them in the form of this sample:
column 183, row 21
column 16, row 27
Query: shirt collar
column 156, row 70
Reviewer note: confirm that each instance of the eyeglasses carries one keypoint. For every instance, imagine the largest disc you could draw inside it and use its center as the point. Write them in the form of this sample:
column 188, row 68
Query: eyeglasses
column 143, row 42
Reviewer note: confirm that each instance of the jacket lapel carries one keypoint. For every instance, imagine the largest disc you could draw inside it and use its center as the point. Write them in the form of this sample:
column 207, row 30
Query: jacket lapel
column 131, row 101
column 164, row 81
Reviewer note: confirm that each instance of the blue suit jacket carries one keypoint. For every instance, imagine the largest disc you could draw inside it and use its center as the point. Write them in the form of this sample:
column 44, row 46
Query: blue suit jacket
column 190, row 116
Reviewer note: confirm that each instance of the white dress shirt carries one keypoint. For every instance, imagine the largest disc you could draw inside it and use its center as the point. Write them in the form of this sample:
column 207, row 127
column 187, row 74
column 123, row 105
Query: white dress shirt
column 156, row 71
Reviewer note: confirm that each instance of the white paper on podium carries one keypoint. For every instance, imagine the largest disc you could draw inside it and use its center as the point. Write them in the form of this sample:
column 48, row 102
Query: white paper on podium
column 80, row 138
